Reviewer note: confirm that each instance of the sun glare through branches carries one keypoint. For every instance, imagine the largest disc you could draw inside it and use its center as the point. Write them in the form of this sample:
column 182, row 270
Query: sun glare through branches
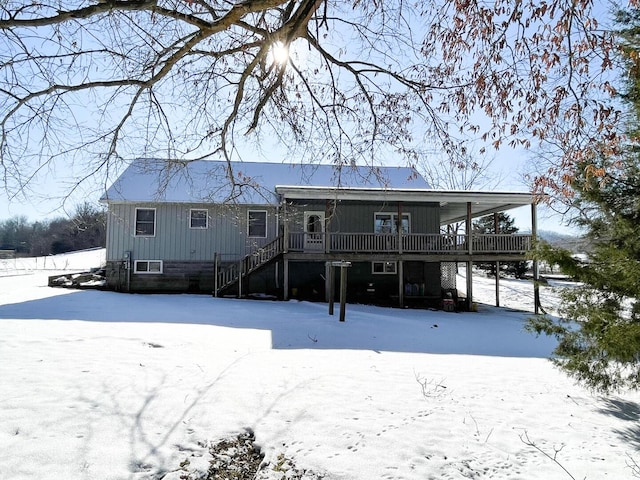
column 280, row 53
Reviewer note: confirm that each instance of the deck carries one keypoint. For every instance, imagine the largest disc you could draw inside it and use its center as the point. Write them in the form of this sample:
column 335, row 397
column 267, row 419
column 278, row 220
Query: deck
column 440, row 246
column 374, row 246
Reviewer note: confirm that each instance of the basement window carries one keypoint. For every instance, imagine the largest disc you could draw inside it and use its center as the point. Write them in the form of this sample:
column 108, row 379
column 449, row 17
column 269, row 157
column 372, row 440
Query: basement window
column 148, row 266
column 384, row 268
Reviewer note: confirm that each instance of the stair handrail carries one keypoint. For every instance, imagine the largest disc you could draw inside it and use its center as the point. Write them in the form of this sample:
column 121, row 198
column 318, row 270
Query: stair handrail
column 250, row 262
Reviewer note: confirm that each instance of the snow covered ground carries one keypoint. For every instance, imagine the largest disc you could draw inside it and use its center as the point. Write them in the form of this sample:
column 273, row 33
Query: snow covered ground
column 104, row 385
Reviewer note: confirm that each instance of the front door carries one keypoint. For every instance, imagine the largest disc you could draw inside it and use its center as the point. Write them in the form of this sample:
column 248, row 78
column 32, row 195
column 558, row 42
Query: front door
column 314, row 231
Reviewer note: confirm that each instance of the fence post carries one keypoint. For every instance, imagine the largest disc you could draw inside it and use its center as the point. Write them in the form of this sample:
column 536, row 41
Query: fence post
column 343, row 289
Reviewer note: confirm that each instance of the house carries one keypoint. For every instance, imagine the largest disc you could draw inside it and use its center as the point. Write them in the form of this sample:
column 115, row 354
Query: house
column 277, row 228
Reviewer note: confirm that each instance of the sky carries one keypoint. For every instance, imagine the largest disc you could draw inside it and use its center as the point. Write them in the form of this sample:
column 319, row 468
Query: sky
column 101, row 385
column 46, row 196
column 47, row 200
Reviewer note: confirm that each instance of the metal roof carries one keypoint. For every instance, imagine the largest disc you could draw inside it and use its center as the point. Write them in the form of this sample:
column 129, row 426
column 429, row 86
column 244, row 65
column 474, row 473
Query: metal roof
column 262, row 183
column 155, row 180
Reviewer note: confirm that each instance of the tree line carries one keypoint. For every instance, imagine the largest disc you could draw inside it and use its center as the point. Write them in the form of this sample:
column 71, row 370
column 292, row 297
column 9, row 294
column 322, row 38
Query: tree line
column 85, row 228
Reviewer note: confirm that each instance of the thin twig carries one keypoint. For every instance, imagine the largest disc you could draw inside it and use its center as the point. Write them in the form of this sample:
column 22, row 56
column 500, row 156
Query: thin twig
column 524, row 438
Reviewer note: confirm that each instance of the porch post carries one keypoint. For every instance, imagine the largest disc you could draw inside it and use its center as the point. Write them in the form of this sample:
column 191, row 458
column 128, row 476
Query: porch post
column 216, row 266
column 469, row 228
column 285, row 227
column 331, row 289
column 327, row 220
column 343, row 290
column 399, row 227
column 469, row 285
column 400, row 283
column 328, row 284
column 285, row 279
column 496, row 229
column 536, row 275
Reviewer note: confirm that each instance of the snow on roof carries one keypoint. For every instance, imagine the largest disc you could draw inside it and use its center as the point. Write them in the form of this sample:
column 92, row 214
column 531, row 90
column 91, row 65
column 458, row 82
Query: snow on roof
column 154, row 180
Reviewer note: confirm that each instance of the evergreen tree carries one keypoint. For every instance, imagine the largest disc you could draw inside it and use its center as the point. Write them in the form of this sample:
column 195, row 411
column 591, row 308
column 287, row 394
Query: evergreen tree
column 599, row 332
column 506, row 225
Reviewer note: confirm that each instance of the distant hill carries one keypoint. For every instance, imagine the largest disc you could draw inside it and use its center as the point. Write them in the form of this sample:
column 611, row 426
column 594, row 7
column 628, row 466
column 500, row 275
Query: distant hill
column 574, row 243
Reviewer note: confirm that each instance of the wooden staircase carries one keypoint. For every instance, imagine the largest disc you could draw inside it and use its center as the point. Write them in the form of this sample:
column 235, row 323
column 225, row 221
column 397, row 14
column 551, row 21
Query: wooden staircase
column 257, row 259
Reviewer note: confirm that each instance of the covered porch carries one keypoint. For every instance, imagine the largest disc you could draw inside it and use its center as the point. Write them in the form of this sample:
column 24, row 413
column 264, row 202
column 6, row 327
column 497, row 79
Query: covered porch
column 458, row 208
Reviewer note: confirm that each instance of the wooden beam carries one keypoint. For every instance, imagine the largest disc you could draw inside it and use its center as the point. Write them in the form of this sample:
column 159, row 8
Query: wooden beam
column 285, row 228
column 285, row 279
column 343, row 291
column 497, row 284
column 332, row 286
column 325, row 228
column 469, row 228
column 216, row 271
column 469, row 285
column 407, row 257
column 400, row 268
column 536, row 273
column 327, row 280
column 399, row 227
column 496, row 230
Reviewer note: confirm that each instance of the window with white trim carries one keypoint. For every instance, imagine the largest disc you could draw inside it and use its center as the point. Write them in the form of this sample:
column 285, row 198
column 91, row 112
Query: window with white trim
column 384, row 268
column 198, row 218
column 145, row 222
column 147, row 266
column 257, row 223
column 388, row 223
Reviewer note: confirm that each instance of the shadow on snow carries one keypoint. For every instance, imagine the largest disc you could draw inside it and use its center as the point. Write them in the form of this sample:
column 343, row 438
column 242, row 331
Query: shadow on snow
column 303, row 325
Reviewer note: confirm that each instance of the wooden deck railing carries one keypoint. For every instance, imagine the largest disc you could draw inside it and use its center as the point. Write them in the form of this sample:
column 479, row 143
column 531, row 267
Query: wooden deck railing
column 370, row 243
column 411, row 243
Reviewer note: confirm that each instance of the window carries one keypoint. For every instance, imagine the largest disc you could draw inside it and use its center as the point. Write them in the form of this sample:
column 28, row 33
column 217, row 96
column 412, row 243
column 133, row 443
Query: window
column 145, row 222
column 388, row 223
column 198, row 218
column 383, row 268
column 148, row 266
column 257, row 223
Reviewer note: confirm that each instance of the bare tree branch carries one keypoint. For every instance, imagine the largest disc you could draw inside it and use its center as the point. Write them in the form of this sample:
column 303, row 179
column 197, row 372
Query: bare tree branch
column 87, row 82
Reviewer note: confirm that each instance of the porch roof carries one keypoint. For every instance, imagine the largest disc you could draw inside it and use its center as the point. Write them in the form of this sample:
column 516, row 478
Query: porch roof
column 453, row 203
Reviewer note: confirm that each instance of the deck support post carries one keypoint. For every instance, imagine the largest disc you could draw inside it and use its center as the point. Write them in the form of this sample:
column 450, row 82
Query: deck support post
column 326, row 235
column 285, row 227
column 328, row 280
column 496, row 230
column 400, row 283
column 469, row 232
column 331, row 282
column 469, row 286
column 216, row 271
column 343, row 290
column 399, row 228
column 536, row 273
column 343, row 286
column 285, row 279
column 240, row 279
column 497, row 284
